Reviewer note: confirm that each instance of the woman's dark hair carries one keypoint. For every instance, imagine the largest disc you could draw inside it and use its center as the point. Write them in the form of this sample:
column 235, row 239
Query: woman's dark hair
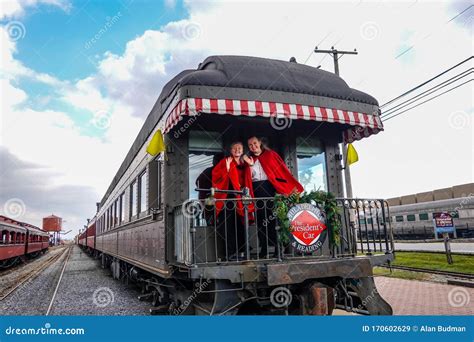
column 263, row 142
column 235, row 143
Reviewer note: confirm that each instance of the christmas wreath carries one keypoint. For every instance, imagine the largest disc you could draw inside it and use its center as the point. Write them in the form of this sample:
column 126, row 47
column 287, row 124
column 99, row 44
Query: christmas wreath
column 324, row 200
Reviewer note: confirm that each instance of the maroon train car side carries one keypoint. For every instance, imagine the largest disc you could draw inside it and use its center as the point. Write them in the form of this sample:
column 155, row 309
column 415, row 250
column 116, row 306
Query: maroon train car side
column 19, row 240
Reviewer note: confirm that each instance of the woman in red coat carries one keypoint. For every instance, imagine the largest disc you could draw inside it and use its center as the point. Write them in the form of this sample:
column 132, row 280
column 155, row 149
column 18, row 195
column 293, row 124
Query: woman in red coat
column 270, row 175
column 232, row 173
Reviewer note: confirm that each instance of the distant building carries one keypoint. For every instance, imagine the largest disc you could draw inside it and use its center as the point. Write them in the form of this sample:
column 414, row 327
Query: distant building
column 412, row 215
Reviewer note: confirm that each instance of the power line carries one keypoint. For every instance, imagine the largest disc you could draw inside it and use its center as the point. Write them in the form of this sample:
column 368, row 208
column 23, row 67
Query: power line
column 428, row 92
column 309, row 56
column 428, row 35
column 322, row 41
column 457, row 15
column 432, row 98
column 426, row 82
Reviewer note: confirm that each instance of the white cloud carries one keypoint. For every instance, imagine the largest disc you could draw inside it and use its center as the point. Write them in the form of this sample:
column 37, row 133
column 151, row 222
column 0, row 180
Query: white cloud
column 16, row 8
column 135, row 78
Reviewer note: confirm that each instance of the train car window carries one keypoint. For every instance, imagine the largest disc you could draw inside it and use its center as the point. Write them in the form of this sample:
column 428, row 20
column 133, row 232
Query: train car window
column 154, row 184
column 133, row 199
column 122, row 209
column 158, row 185
column 311, row 163
column 112, row 213
column 205, row 142
column 423, row 217
column 142, row 192
column 411, row 218
column 109, row 219
column 117, row 212
column 203, row 146
column 200, row 168
column 399, row 218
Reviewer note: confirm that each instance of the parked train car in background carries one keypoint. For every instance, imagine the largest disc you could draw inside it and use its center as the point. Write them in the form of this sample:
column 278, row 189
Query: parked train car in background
column 20, row 240
column 86, row 238
column 152, row 228
column 412, row 215
column 415, row 221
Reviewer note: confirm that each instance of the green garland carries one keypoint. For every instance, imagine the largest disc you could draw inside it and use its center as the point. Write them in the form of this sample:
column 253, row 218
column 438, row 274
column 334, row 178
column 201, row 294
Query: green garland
column 324, row 200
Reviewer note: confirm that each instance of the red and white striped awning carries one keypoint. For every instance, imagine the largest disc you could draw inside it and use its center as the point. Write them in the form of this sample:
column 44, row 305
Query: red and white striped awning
column 363, row 124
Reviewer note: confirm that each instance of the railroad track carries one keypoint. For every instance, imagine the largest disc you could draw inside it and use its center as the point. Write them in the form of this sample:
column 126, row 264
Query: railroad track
column 50, row 306
column 23, row 279
column 426, row 270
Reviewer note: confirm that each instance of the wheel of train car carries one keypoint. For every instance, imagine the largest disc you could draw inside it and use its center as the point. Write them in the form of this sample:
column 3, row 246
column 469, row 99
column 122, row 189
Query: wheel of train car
column 373, row 303
column 9, row 262
column 33, row 255
column 205, row 298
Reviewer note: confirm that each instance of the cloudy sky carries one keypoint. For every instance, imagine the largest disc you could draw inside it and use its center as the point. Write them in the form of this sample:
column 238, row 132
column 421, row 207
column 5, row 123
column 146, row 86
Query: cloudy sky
column 78, row 78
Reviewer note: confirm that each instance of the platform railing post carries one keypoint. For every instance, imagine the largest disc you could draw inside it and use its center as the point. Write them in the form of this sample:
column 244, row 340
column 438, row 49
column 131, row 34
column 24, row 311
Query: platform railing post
column 247, row 245
column 246, row 193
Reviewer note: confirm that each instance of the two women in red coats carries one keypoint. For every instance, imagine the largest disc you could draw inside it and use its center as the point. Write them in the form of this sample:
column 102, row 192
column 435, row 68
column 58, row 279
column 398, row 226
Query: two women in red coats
column 265, row 174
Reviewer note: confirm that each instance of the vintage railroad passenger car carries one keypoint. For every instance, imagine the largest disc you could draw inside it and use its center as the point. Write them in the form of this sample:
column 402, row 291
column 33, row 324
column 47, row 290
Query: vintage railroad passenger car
column 19, row 240
column 151, row 228
column 86, row 238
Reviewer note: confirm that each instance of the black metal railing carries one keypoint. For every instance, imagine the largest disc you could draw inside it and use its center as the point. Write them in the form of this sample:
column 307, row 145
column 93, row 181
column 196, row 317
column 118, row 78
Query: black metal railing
column 366, row 226
column 243, row 229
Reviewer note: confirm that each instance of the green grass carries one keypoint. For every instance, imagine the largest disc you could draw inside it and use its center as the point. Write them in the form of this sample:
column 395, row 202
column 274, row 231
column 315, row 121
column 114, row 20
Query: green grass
column 382, row 271
column 435, row 261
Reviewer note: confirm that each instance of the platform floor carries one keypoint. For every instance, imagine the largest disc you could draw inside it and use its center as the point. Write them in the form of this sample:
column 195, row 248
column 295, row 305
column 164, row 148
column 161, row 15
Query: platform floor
column 412, row 297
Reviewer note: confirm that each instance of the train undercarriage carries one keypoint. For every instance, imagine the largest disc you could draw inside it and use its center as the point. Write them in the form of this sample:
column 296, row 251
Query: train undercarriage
column 261, row 290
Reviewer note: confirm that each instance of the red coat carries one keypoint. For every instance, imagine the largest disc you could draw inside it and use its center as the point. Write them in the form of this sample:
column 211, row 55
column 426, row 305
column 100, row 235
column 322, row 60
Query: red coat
column 238, row 177
column 278, row 173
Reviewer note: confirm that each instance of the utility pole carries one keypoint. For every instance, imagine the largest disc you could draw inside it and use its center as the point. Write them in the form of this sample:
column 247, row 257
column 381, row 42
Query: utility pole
column 336, row 54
